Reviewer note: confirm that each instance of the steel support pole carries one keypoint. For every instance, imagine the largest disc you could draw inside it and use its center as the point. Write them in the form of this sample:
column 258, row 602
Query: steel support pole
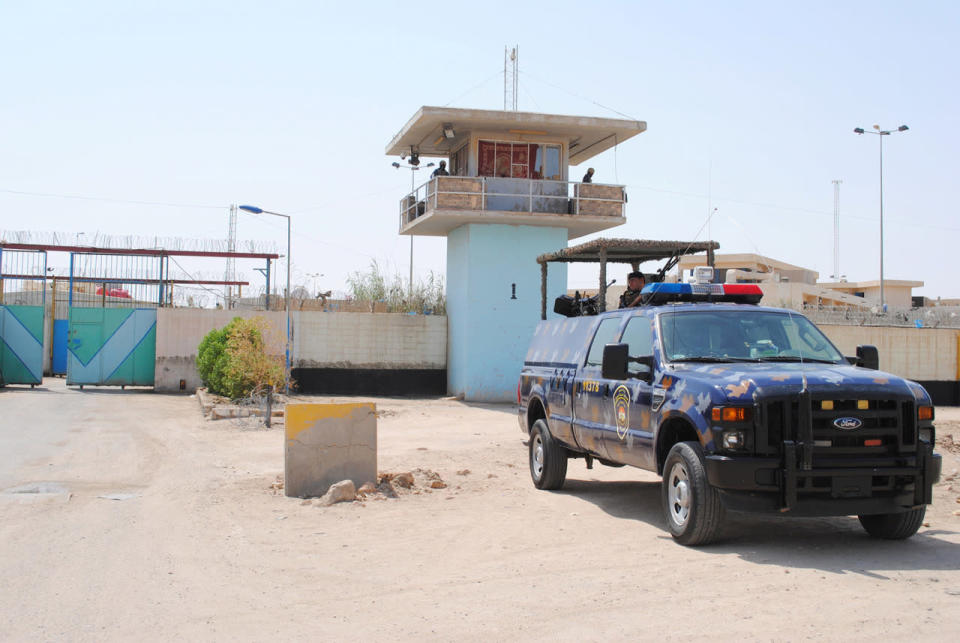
column 160, row 292
column 543, row 290
column 603, row 280
column 268, row 285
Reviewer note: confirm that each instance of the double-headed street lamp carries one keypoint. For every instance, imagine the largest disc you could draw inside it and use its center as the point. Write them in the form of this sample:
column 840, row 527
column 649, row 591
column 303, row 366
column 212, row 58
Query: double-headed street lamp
column 881, row 133
column 252, row 209
column 413, row 164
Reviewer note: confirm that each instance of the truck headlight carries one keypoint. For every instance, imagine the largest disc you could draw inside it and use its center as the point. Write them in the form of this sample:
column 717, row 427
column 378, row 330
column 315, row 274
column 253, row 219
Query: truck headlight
column 732, row 440
column 926, row 435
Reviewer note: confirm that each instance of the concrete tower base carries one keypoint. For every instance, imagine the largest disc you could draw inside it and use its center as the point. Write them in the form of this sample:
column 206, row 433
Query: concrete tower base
column 489, row 330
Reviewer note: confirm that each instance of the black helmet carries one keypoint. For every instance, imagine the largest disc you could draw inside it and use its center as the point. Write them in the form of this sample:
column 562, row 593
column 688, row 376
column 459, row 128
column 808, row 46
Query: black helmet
column 636, row 275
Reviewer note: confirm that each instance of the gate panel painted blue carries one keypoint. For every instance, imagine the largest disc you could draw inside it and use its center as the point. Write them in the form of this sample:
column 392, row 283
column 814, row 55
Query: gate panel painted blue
column 60, row 329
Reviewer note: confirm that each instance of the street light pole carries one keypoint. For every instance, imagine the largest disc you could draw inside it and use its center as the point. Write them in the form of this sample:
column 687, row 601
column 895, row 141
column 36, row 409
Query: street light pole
column 255, row 210
column 881, row 133
column 413, row 189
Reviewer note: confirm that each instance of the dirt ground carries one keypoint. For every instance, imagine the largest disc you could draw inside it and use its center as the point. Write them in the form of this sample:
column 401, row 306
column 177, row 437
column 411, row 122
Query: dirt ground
column 157, row 524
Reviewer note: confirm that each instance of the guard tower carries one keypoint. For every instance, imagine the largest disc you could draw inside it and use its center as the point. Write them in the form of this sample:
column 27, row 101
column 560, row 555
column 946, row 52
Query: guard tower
column 510, row 197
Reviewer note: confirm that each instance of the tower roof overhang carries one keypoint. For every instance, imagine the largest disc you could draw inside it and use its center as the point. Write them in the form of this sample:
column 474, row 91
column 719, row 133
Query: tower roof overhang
column 586, row 136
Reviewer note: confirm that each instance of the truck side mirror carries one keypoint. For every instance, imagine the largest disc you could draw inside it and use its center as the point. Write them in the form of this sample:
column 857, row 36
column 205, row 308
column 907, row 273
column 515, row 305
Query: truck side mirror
column 614, row 362
column 646, row 374
column 868, row 357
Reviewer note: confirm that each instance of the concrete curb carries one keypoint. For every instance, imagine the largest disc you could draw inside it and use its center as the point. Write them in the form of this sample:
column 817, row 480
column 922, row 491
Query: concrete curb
column 206, row 405
column 213, row 411
column 222, row 412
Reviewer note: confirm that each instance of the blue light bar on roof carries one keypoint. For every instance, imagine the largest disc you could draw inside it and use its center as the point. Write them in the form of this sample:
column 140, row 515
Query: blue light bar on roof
column 661, row 293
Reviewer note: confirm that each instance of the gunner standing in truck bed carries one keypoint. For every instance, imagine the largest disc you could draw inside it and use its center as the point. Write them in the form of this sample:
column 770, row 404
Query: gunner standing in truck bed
column 631, row 296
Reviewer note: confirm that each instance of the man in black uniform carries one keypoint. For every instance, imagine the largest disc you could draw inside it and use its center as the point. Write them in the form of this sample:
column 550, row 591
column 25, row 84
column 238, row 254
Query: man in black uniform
column 631, row 296
column 588, row 177
column 441, row 171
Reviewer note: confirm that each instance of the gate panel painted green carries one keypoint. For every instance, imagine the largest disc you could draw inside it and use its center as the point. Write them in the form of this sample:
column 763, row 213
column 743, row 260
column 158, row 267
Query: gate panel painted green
column 114, row 346
column 21, row 344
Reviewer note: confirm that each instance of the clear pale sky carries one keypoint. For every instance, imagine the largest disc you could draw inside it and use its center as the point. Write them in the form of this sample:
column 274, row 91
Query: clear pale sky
column 750, row 109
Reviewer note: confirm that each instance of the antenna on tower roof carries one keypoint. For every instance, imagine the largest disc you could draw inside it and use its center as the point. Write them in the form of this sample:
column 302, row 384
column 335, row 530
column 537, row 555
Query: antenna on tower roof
column 511, row 61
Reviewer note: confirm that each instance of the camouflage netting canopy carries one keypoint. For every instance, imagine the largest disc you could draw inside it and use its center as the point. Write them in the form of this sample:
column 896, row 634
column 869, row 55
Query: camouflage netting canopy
column 631, row 251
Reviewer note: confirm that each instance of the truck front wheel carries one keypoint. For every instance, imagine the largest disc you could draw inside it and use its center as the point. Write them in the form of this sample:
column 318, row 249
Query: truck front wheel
column 548, row 460
column 894, row 526
column 693, row 508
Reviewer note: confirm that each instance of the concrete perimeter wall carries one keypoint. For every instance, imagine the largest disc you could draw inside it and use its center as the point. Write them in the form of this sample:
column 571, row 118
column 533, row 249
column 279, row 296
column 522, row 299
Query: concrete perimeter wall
column 369, row 340
column 921, row 354
column 349, row 341
column 179, row 332
column 334, row 346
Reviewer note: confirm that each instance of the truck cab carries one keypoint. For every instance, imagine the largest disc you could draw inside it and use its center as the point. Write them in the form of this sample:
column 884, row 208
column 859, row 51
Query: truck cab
column 736, row 406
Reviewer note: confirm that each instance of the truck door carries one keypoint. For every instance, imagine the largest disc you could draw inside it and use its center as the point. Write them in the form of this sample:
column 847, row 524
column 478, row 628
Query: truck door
column 632, row 440
column 560, row 402
column 593, row 413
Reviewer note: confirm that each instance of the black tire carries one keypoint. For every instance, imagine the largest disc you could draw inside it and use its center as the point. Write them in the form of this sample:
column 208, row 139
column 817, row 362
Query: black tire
column 692, row 508
column 897, row 526
column 548, row 459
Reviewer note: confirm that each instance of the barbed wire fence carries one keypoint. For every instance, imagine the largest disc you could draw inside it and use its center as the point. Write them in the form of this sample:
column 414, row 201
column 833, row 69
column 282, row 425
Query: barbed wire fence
column 926, row 317
column 129, row 242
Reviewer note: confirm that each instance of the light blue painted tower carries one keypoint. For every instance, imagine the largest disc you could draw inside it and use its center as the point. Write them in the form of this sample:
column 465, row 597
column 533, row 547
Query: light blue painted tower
column 508, row 199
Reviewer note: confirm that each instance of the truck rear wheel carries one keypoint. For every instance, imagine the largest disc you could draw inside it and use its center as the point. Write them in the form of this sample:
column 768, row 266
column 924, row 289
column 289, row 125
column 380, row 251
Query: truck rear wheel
column 894, row 526
column 548, row 459
column 693, row 508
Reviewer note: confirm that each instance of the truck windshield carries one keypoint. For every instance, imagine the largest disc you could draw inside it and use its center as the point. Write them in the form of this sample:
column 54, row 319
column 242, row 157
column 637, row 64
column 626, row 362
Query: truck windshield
column 743, row 336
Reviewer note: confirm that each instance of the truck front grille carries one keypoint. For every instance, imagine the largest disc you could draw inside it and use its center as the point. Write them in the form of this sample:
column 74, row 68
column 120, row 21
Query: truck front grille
column 888, row 428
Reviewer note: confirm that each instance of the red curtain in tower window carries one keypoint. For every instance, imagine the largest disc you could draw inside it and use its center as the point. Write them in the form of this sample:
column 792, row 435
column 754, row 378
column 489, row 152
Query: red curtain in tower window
column 517, row 160
column 487, row 161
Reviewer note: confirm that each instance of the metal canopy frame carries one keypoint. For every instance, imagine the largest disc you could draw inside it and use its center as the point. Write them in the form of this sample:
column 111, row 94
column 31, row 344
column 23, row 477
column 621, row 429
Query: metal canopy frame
column 631, row 251
column 162, row 280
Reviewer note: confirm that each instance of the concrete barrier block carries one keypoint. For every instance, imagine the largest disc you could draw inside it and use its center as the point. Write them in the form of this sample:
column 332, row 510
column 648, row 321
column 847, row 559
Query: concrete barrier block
column 327, row 443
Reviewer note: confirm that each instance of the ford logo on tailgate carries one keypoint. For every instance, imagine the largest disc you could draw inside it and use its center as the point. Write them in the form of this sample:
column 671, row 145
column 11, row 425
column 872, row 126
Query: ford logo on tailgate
column 847, row 424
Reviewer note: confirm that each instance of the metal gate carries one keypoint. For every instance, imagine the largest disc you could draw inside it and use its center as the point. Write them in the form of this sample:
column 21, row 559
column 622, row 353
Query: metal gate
column 112, row 328
column 112, row 346
column 22, row 298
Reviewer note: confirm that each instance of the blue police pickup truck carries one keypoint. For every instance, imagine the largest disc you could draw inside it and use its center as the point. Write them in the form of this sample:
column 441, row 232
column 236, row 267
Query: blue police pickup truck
column 736, row 406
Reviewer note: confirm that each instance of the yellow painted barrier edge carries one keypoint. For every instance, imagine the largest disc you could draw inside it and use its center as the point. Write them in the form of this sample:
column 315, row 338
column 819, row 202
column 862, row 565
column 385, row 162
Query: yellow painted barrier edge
column 300, row 417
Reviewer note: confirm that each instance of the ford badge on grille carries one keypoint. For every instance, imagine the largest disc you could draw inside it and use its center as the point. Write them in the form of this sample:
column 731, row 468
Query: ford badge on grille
column 848, row 424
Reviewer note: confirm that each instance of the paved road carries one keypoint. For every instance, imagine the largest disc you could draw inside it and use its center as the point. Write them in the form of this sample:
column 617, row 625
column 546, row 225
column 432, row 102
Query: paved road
column 40, row 423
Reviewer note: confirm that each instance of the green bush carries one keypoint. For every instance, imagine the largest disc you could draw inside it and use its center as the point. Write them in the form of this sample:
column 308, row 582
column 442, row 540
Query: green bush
column 243, row 357
column 212, row 359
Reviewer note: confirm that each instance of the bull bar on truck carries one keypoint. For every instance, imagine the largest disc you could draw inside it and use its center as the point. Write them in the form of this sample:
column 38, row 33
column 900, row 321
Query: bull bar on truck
column 806, row 467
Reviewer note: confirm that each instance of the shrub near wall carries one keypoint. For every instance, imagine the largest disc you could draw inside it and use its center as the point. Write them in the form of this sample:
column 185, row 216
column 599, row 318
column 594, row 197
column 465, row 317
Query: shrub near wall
column 241, row 358
column 212, row 359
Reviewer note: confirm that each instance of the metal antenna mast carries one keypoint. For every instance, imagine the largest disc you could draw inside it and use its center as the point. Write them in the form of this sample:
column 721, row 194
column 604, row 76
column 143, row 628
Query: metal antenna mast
column 511, row 60
column 231, row 272
column 836, row 228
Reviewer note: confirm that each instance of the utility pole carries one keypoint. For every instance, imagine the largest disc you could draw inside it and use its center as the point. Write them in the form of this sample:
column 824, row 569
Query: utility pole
column 231, row 272
column 836, row 229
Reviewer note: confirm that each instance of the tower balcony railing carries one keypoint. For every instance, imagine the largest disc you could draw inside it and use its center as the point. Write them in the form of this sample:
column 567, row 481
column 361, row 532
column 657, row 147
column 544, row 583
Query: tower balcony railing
column 505, row 195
